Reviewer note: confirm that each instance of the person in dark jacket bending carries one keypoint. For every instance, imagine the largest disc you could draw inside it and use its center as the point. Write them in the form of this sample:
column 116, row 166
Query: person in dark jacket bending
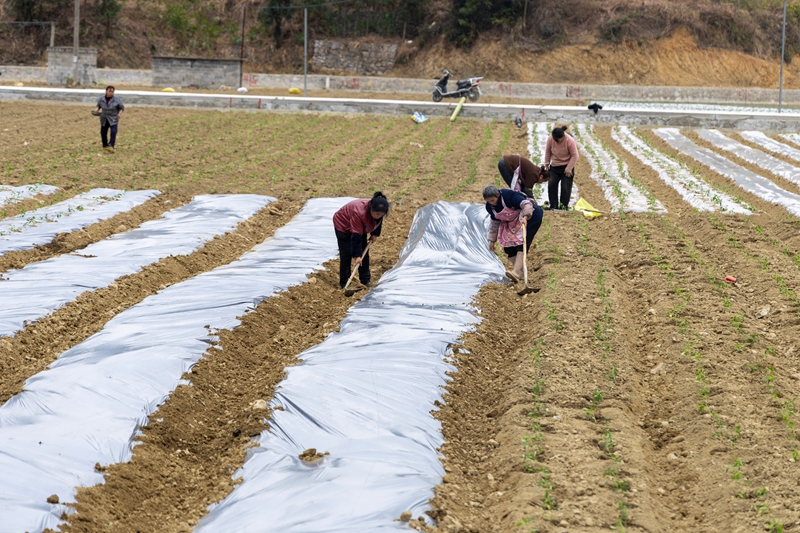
column 353, row 222
column 509, row 210
column 529, row 174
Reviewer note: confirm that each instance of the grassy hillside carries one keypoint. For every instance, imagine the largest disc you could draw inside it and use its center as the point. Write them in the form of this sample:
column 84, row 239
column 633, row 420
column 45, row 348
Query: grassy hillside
column 502, row 39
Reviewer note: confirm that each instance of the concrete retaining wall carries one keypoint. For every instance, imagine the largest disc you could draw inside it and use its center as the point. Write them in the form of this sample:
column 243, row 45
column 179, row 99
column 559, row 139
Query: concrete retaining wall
column 61, row 66
column 114, row 76
column 23, row 74
column 202, row 73
column 695, row 119
column 533, row 90
column 406, row 85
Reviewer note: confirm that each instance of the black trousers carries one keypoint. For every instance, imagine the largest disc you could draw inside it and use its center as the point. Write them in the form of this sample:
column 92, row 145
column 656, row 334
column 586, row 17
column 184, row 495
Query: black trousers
column 557, row 177
column 531, row 229
column 346, row 258
column 104, row 134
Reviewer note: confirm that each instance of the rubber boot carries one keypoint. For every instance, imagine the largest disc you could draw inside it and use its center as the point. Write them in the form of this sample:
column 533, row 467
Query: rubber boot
column 518, row 266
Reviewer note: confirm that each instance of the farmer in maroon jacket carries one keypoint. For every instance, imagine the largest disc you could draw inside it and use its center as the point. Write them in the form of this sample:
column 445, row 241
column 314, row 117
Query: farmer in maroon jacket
column 353, row 222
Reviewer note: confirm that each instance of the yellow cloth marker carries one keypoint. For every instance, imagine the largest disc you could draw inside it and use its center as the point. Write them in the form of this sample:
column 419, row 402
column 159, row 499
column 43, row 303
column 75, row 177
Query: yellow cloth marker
column 588, row 211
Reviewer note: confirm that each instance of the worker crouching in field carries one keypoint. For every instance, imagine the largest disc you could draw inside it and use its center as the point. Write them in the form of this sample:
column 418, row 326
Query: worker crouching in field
column 353, row 223
column 509, row 210
column 521, row 174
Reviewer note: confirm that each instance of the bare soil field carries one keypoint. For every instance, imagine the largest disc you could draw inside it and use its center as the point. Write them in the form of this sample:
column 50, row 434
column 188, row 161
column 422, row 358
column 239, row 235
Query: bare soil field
column 638, row 390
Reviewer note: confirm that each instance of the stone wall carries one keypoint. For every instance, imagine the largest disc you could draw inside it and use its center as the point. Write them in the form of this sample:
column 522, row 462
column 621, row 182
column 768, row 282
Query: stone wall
column 114, row 76
column 353, row 56
column 196, row 72
column 12, row 73
column 60, row 66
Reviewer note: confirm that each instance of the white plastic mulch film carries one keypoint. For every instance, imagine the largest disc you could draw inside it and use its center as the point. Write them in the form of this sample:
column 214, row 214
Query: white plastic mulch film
column 792, row 137
column 763, row 140
column 10, row 194
column 39, row 288
column 40, row 226
column 622, row 190
column 696, row 191
column 749, row 181
column 365, row 395
column 88, row 406
column 756, row 157
column 538, row 132
column 754, row 110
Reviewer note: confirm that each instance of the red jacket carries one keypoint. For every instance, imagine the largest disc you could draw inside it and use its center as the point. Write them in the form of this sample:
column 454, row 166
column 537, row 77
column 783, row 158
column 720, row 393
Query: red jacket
column 354, row 218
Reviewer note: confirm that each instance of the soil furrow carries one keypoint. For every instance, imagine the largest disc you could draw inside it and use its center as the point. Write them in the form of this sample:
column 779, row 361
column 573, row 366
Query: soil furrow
column 730, row 353
column 65, row 243
column 660, row 289
column 31, row 350
column 199, row 437
column 521, row 391
column 669, row 482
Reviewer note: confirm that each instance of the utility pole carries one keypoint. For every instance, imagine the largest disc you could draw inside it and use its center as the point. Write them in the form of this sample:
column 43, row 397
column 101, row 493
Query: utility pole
column 75, row 35
column 305, row 51
column 783, row 51
column 241, row 48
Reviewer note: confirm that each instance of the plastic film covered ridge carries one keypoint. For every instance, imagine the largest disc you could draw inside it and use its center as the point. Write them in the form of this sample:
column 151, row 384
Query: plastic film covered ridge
column 365, row 395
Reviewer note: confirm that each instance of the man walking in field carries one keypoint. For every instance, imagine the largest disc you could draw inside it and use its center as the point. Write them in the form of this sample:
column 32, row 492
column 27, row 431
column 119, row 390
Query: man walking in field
column 109, row 108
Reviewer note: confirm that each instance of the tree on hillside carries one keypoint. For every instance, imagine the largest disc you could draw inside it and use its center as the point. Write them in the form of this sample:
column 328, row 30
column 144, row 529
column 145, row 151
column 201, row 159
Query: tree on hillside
column 25, row 9
column 109, row 12
column 470, row 17
column 32, row 10
column 268, row 16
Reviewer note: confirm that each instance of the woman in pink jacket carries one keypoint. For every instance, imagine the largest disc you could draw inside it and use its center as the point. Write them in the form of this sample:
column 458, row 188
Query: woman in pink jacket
column 560, row 156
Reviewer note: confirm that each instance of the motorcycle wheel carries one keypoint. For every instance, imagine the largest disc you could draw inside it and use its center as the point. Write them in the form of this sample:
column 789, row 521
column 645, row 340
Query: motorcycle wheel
column 473, row 95
column 437, row 96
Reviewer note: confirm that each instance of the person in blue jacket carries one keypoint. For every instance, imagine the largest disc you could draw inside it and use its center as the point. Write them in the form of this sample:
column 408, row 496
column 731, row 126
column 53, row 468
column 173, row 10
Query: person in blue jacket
column 508, row 211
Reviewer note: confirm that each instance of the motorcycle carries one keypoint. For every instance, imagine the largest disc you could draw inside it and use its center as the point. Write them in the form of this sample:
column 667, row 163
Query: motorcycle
column 468, row 87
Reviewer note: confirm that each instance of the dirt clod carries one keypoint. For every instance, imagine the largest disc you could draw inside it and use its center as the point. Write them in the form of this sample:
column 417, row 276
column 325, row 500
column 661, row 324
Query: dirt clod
column 53, row 498
column 310, row 455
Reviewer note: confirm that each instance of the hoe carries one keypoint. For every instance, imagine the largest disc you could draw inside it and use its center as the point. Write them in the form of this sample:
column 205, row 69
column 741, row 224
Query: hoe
column 526, row 289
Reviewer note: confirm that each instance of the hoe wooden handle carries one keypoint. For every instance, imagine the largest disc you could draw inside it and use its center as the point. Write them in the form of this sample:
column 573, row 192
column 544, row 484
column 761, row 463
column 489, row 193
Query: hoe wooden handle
column 355, row 269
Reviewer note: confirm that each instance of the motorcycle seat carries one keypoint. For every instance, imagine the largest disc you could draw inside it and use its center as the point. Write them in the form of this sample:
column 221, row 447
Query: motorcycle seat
column 462, row 83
